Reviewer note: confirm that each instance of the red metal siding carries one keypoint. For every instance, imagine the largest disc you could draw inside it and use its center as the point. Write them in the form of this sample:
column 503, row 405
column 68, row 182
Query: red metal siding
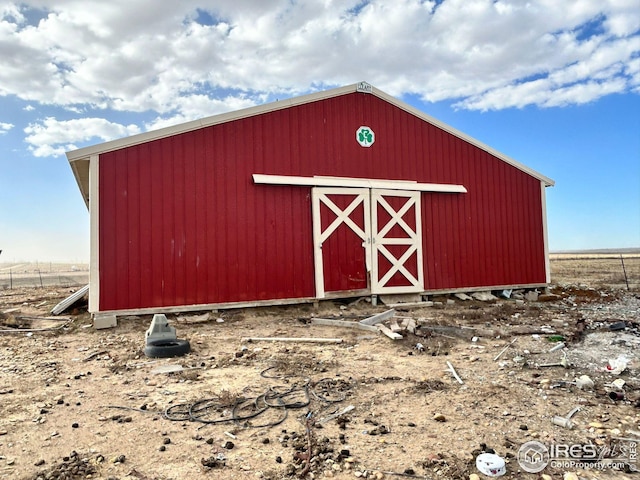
column 182, row 223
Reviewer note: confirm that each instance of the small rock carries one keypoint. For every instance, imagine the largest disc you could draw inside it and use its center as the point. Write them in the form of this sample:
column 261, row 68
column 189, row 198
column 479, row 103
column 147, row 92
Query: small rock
column 546, row 477
column 166, row 441
column 39, row 463
column 474, row 476
column 74, row 425
column 438, row 417
column 162, row 448
column 571, row 476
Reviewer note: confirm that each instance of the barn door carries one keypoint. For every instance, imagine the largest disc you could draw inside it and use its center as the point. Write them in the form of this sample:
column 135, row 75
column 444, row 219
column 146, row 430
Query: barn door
column 367, row 241
column 396, row 241
column 341, row 237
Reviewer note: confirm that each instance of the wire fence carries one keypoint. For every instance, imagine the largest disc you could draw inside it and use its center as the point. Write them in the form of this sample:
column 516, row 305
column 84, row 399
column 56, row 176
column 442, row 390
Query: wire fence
column 40, row 279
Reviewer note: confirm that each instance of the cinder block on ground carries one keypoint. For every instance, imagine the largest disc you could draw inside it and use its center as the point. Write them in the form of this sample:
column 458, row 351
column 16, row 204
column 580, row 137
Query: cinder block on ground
column 101, row 321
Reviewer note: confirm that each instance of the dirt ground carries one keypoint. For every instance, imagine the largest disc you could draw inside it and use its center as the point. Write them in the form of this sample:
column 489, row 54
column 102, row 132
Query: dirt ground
column 76, row 402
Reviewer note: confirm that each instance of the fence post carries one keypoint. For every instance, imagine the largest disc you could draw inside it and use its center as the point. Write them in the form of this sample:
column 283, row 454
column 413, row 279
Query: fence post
column 624, row 270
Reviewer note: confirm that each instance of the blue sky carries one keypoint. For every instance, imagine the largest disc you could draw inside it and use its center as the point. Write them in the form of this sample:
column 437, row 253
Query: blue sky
column 554, row 85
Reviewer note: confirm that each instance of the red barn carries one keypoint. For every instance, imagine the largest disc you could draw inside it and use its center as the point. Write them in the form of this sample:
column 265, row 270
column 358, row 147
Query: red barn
column 340, row 193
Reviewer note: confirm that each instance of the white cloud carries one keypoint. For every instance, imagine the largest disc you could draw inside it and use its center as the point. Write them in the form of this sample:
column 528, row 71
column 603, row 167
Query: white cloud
column 51, row 137
column 193, row 107
column 155, row 57
column 5, row 127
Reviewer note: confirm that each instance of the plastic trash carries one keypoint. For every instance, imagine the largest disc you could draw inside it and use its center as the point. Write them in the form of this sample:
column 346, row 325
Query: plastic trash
column 584, row 382
column 562, row 422
column 618, row 383
column 618, row 365
column 491, row 465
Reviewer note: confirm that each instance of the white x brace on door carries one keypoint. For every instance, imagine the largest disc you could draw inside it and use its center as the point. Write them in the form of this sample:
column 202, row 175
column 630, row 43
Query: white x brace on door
column 388, row 226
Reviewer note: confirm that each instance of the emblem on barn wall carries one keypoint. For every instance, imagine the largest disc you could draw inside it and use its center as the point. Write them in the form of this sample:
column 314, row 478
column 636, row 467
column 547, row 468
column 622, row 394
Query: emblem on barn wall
column 365, row 136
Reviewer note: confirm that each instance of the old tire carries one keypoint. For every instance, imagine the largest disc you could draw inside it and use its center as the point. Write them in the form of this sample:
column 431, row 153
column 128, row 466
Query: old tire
column 166, row 348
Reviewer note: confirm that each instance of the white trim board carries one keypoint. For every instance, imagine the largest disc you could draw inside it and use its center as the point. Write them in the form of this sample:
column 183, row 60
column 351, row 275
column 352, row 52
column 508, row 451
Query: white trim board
column 406, row 185
column 94, row 227
column 545, row 232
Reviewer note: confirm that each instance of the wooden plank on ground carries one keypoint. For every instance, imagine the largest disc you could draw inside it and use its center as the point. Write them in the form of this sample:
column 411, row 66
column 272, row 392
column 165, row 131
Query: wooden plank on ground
column 392, row 335
column 343, row 323
column 412, row 305
column 378, row 318
column 289, row 339
column 395, row 327
column 411, row 326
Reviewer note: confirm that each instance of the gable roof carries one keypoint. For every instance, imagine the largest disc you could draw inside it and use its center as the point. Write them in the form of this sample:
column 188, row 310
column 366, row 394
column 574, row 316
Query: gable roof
column 79, row 159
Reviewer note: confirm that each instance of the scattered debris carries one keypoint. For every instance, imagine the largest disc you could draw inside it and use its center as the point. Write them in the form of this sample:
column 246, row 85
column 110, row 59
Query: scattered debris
column 171, row 369
column 484, row 296
column 292, row 339
column 336, row 415
column 70, row 300
column 491, row 465
column 378, row 318
column 497, row 357
column 388, row 332
column 343, row 323
column 618, row 365
column 454, row 373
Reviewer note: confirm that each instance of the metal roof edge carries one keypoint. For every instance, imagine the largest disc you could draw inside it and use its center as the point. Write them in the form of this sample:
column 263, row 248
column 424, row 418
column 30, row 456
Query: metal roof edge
column 448, row 128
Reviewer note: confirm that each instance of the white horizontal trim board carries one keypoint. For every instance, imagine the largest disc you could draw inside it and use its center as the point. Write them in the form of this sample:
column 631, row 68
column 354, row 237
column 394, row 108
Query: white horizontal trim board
column 357, row 183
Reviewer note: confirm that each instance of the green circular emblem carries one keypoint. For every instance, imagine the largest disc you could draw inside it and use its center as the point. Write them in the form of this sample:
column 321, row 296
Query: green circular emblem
column 365, row 136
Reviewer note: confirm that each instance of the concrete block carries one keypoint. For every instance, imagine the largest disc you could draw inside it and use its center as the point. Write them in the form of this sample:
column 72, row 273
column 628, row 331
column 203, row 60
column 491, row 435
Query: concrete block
column 462, row 296
column 531, row 296
column 483, row 296
column 101, row 321
column 160, row 329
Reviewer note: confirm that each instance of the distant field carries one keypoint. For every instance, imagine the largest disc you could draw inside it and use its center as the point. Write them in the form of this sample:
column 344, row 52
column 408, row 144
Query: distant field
column 597, row 269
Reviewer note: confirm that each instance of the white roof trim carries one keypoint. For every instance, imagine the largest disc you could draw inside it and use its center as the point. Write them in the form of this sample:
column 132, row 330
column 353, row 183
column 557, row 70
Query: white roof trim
column 358, row 183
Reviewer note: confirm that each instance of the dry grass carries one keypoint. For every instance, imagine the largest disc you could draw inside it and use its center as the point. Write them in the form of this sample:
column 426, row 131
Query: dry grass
column 596, row 270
